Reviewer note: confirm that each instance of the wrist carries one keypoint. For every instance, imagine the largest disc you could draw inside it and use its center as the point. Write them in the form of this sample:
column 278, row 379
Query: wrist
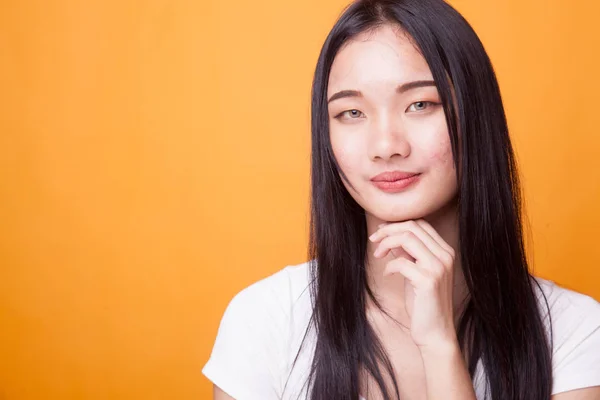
column 441, row 350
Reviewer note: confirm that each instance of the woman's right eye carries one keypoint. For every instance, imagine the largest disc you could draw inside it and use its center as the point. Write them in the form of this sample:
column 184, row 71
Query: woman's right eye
column 350, row 114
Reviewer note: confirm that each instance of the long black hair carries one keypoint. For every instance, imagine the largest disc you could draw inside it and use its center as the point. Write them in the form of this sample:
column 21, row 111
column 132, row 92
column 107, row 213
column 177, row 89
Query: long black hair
column 502, row 324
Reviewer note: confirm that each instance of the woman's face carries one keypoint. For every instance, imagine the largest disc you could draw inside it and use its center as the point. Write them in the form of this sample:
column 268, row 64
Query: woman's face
column 385, row 115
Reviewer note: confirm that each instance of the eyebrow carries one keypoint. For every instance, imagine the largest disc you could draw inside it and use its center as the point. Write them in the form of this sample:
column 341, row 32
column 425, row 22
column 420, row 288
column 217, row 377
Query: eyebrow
column 400, row 89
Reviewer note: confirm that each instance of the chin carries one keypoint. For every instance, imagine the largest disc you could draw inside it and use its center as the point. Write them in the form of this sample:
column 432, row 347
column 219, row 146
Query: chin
column 406, row 211
column 398, row 214
column 397, row 217
column 409, row 205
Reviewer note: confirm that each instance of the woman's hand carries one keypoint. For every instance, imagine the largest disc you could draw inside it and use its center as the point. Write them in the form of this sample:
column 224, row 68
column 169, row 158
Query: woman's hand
column 431, row 276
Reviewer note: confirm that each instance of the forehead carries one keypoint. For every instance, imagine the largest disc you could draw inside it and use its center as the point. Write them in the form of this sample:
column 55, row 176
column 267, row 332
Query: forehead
column 382, row 56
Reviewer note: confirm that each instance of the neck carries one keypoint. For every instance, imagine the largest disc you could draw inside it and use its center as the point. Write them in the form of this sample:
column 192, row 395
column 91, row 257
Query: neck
column 390, row 290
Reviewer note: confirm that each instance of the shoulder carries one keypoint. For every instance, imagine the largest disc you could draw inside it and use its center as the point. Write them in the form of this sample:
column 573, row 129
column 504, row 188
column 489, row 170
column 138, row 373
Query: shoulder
column 573, row 321
column 565, row 309
column 561, row 297
column 251, row 350
column 274, row 296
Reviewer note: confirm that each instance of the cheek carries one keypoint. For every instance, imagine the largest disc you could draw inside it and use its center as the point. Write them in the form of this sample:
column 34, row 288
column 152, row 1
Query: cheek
column 441, row 155
column 347, row 154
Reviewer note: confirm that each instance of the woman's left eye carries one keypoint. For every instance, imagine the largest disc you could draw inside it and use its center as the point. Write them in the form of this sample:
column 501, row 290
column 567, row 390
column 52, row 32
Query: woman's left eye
column 420, row 106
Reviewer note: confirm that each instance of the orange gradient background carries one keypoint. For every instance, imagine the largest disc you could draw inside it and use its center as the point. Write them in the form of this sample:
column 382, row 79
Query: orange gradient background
column 154, row 160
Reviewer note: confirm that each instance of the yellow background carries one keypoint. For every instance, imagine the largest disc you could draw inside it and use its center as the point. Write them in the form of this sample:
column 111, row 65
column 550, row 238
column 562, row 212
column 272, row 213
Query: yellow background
column 154, row 160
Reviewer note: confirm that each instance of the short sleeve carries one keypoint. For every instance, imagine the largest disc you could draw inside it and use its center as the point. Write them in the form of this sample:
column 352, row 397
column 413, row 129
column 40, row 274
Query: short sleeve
column 248, row 354
column 576, row 347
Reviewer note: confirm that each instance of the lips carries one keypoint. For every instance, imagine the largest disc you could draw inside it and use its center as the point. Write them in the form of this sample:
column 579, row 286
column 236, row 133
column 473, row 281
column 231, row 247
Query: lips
column 393, row 176
column 398, row 185
column 395, row 181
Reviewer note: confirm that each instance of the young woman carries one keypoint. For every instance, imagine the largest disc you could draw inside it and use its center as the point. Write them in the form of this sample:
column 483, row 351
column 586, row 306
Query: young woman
column 417, row 285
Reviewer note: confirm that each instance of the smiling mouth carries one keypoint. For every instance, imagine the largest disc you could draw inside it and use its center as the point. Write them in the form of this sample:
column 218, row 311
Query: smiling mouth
column 397, row 185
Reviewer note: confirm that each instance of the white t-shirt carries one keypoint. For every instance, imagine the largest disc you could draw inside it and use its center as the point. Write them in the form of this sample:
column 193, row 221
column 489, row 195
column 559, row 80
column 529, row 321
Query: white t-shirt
column 263, row 326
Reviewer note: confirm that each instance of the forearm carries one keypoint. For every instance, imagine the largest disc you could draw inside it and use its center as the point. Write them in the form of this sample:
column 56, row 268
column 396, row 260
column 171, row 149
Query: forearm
column 447, row 375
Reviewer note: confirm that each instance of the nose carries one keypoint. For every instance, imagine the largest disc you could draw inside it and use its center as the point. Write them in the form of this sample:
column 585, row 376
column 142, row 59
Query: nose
column 387, row 139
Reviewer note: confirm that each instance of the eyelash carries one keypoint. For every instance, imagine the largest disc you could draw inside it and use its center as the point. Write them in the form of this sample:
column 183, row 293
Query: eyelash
column 429, row 103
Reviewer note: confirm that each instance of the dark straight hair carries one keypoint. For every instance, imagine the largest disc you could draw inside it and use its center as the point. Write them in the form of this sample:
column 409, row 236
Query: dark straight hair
column 502, row 324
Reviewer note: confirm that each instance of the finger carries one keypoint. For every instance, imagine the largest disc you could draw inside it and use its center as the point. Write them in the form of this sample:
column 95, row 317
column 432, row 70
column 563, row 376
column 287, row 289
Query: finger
column 435, row 235
column 415, row 275
column 446, row 253
column 421, row 233
column 379, row 227
column 413, row 246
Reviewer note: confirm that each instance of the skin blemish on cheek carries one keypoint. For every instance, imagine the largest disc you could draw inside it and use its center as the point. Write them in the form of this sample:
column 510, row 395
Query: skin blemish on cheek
column 441, row 151
column 442, row 155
